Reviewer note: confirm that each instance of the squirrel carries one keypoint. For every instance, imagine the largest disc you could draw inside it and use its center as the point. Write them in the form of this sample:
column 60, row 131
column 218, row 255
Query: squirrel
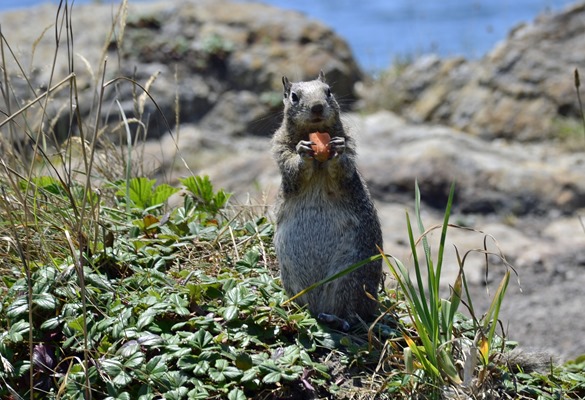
column 325, row 216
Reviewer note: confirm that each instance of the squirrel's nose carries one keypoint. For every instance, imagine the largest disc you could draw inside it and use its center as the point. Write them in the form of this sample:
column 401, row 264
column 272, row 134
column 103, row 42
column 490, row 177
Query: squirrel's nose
column 317, row 109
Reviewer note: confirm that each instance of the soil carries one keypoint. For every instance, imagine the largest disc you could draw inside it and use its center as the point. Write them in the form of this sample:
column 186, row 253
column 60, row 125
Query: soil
column 545, row 311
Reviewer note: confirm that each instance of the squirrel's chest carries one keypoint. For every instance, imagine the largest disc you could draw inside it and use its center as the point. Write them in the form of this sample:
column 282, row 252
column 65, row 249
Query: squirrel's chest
column 313, row 232
column 321, row 209
column 319, row 186
column 317, row 214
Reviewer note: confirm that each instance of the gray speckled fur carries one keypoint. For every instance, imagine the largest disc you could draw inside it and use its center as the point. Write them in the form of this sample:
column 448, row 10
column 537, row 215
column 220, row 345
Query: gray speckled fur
column 325, row 218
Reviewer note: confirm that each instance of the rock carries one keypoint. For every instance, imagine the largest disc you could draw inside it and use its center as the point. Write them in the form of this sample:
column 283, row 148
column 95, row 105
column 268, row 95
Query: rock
column 193, row 55
column 524, row 89
column 491, row 177
column 239, row 113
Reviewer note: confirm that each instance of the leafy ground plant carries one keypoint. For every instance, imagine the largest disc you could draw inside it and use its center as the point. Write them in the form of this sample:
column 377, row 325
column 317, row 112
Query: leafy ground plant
column 184, row 303
column 169, row 312
column 109, row 292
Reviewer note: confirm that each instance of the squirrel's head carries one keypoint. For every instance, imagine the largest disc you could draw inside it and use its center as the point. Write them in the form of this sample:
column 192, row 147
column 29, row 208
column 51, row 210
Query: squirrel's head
column 310, row 104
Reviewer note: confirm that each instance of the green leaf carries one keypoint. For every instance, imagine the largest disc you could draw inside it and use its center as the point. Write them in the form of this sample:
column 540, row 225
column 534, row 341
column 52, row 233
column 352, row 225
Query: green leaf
column 575, row 377
column 47, row 183
column 188, row 362
column 200, row 186
column 115, row 370
column 202, row 190
column 232, row 372
column 180, row 303
column 122, row 379
column 292, row 373
column 162, row 194
column 147, row 396
column 250, row 374
column 76, row 324
column 244, row 361
column 491, row 317
column 128, row 349
column 112, row 367
column 177, row 394
column 236, row 299
column 221, row 198
column 236, row 394
column 448, row 367
column 156, row 366
column 290, row 356
column 45, row 301
column 199, row 393
column 146, row 318
column 51, row 324
column 121, row 396
column 222, row 371
column 43, row 181
column 230, row 313
column 18, row 307
column 149, row 339
column 239, row 295
column 250, row 260
column 134, row 361
column 201, row 368
column 17, row 331
column 140, row 191
column 272, row 377
column 8, row 282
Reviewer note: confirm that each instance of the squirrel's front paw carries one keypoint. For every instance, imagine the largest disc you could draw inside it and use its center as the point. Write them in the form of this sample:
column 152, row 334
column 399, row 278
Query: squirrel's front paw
column 337, row 146
column 304, row 149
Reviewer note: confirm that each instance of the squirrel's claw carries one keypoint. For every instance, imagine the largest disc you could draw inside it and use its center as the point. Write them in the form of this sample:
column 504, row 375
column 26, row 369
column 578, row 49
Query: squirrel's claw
column 337, row 146
column 304, row 149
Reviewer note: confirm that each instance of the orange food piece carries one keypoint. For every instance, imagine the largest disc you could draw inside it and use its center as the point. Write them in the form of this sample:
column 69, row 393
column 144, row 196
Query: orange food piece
column 321, row 146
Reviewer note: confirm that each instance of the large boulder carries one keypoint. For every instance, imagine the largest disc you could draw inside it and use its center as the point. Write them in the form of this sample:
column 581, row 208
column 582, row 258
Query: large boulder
column 524, row 89
column 492, row 177
column 191, row 56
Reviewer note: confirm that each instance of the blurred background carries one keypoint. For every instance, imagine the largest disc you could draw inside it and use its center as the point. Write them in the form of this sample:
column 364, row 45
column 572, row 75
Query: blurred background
column 381, row 32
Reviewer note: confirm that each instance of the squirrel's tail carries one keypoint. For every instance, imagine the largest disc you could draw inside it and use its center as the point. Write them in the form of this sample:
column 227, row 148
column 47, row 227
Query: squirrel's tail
column 526, row 361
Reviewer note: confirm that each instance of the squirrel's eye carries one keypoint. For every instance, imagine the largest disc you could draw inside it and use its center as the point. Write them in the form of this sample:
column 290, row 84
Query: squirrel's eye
column 294, row 97
column 328, row 92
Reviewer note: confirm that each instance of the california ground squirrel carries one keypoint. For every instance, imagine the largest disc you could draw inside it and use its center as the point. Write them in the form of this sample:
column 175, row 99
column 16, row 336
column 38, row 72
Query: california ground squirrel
column 325, row 218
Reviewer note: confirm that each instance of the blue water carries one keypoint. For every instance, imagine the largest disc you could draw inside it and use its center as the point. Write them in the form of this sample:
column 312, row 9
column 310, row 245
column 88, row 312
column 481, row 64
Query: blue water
column 382, row 31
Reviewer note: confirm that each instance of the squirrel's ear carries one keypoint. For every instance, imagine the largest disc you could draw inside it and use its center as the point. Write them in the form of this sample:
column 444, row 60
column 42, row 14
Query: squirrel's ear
column 321, row 76
column 287, row 85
